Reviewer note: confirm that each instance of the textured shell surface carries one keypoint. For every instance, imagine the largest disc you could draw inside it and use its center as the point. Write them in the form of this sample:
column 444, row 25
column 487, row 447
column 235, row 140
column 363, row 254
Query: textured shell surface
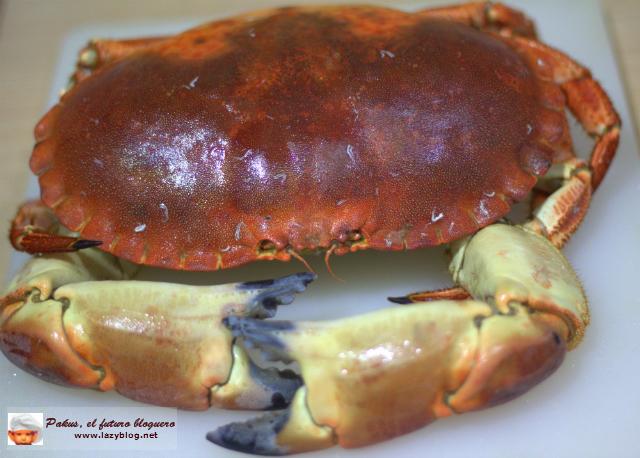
column 300, row 127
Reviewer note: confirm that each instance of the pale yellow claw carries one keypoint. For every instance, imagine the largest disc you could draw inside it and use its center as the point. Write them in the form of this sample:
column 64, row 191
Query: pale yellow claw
column 72, row 318
column 383, row 374
column 301, row 432
column 376, row 376
column 504, row 264
column 514, row 353
column 176, row 328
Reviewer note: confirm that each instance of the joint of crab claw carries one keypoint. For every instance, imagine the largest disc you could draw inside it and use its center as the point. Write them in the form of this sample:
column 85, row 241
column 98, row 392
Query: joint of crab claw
column 502, row 264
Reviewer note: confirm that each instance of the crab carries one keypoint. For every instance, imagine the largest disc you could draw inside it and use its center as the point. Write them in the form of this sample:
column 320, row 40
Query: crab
column 274, row 134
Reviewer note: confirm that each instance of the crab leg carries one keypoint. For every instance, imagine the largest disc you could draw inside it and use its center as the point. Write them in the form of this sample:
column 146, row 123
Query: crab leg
column 376, row 376
column 574, row 181
column 74, row 319
column 36, row 230
column 453, row 293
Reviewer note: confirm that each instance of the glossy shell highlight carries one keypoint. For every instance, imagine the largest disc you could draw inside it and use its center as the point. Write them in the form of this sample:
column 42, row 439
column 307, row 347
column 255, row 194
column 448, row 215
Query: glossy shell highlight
column 296, row 129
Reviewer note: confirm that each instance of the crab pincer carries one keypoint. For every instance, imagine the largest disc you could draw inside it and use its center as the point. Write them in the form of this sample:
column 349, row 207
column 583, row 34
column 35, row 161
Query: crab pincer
column 310, row 129
column 65, row 319
column 376, row 376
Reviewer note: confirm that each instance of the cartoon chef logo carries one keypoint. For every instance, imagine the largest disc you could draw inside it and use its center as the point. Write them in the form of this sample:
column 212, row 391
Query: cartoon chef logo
column 25, row 428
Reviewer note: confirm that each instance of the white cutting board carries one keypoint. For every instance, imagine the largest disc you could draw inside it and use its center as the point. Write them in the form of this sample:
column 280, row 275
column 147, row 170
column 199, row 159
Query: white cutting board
column 589, row 407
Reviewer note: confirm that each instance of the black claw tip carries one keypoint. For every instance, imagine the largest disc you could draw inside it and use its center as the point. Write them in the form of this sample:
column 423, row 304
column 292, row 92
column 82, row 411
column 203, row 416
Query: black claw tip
column 281, row 384
column 258, row 284
column 228, row 323
column 303, row 278
column 256, row 436
column 278, row 401
column 252, row 328
column 81, row 244
column 286, row 299
column 262, row 335
column 248, row 327
column 271, row 293
column 306, row 277
column 404, row 300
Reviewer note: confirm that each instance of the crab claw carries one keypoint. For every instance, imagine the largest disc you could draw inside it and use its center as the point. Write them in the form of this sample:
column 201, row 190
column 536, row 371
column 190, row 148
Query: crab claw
column 373, row 377
column 159, row 343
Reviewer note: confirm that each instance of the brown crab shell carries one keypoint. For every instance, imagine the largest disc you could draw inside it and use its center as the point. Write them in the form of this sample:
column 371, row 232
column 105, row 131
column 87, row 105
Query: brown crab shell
column 297, row 129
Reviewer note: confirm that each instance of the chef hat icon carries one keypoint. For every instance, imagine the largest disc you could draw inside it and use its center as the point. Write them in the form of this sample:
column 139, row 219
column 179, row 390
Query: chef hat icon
column 25, row 421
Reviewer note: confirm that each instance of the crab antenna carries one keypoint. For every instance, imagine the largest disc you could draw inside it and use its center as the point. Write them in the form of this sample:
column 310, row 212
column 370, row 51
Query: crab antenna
column 295, row 254
column 326, row 262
